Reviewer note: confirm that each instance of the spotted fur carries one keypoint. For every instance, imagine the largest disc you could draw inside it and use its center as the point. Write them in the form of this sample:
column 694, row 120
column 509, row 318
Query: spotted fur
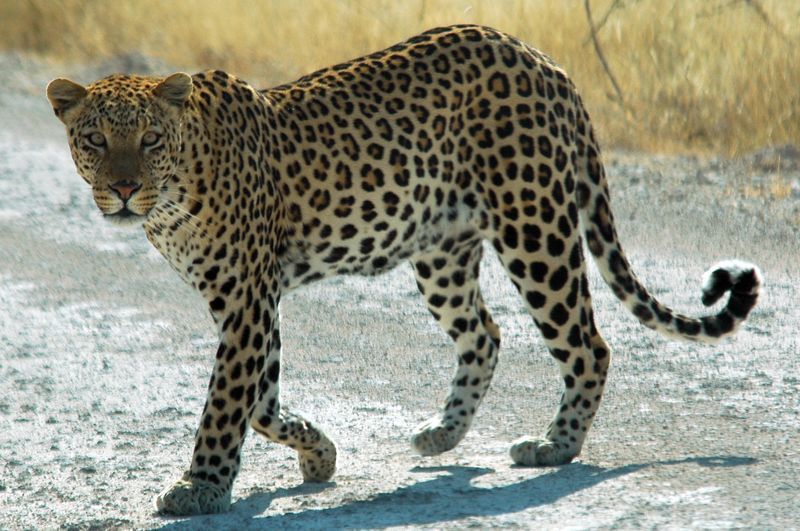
column 418, row 152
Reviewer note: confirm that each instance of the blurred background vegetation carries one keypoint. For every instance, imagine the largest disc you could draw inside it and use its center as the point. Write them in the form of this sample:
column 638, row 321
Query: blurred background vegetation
column 718, row 76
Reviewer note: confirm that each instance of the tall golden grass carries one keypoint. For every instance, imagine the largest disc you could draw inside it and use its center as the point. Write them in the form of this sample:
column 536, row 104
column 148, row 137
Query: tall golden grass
column 706, row 75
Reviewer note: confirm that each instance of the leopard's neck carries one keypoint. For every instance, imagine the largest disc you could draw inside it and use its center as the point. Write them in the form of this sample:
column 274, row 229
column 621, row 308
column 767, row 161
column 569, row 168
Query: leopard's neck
column 221, row 198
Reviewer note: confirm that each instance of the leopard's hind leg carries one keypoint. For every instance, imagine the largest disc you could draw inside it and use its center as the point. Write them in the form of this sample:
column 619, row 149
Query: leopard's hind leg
column 552, row 280
column 448, row 278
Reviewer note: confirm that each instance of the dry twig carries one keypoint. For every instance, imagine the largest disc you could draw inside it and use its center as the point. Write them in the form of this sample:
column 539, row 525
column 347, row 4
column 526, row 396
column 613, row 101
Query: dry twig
column 600, row 54
column 756, row 6
column 614, row 5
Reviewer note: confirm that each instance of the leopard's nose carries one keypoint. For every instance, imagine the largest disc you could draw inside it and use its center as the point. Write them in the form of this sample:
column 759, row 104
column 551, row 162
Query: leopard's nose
column 124, row 189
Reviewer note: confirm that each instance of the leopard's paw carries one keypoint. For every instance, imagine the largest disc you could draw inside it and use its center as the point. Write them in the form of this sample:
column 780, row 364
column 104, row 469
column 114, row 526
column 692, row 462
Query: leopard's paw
column 434, row 437
column 318, row 464
column 541, row 452
column 190, row 496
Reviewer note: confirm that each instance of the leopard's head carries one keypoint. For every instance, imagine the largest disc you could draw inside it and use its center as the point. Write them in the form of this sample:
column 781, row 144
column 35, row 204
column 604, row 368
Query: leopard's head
column 125, row 137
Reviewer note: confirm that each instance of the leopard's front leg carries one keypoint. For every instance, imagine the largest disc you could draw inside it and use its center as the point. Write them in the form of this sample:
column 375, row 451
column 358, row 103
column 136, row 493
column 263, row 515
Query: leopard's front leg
column 316, row 453
column 238, row 381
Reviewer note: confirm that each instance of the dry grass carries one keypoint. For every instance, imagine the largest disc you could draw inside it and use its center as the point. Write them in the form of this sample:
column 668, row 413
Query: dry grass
column 775, row 188
column 709, row 75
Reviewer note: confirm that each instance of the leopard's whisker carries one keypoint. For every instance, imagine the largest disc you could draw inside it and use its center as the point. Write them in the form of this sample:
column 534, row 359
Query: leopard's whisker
column 186, row 219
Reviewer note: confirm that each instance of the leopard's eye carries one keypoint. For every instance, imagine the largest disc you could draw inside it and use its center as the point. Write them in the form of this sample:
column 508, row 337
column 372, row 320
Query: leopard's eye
column 150, row 139
column 96, row 139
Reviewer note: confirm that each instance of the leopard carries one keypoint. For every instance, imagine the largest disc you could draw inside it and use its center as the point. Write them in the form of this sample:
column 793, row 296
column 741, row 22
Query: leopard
column 417, row 154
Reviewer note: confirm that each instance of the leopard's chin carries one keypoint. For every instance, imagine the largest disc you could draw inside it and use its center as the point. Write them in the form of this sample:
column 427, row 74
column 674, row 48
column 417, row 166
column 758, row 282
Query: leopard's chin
column 125, row 218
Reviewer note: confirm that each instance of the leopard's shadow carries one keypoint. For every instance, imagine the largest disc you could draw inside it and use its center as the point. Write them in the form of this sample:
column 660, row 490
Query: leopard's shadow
column 448, row 496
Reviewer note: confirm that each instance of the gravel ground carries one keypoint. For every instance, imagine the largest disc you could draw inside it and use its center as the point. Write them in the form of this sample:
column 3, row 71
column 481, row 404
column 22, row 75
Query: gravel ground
column 104, row 359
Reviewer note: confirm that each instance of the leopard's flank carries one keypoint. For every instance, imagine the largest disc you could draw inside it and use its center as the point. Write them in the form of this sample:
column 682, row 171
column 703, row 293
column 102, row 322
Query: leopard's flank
column 418, row 152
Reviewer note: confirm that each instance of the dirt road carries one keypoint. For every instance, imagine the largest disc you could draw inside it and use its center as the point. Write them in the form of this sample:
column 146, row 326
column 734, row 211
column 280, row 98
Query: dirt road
column 104, row 359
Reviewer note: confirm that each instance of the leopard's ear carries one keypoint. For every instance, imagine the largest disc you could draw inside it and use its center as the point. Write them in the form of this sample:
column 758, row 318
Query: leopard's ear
column 175, row 89
column 64, row 95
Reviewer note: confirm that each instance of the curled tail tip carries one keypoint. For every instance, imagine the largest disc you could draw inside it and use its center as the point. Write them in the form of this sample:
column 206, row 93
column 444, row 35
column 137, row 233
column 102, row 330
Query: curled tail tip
column 743, row 279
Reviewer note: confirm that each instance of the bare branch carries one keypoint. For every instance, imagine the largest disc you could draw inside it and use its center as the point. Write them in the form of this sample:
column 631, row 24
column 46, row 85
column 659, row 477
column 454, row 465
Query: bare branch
column 614, row 5
column 600, row 54
column 756, row 6
column 718, row 9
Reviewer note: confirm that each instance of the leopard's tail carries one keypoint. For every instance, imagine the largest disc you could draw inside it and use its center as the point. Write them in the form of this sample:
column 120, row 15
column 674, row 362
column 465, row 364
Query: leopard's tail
column 741, row 279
